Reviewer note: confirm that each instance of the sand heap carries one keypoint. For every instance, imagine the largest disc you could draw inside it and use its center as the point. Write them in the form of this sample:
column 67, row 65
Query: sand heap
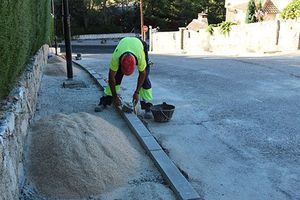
column 77, row 155
column 55, row 67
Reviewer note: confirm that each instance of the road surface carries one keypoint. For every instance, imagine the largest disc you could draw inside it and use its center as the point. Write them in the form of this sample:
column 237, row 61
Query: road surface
column 236, row 128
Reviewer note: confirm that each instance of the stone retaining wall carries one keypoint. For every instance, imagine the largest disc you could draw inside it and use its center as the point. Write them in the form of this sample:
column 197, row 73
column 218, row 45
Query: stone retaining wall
column 16, row 113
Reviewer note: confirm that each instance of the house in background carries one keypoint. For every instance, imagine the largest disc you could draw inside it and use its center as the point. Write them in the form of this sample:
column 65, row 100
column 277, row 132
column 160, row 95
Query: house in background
column 236, row 9
column 199, row 23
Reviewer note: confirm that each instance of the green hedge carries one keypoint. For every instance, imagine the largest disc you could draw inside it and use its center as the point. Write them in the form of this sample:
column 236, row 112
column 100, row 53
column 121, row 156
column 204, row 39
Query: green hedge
column 24, row 28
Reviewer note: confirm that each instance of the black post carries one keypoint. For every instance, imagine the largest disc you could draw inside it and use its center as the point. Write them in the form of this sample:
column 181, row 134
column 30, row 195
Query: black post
column 142, row 20
column 55, row 38
column 67, row 33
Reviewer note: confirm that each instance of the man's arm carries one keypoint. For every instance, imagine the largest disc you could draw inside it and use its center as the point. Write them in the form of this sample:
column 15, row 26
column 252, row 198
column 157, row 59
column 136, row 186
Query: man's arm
column 141, row 79
column 112, row 85
column 112, row 82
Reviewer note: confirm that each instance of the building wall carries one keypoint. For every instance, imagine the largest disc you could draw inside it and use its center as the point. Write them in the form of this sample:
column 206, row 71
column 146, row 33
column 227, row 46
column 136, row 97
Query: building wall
column 271, row 17
column 281, row 4
column 237, row 13
column 261, row 37
column 231, row 3
column 289, row 37
column 166, row 41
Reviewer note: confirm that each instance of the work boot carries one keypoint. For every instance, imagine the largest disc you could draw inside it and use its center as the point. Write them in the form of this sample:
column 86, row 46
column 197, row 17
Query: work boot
column 105, row 101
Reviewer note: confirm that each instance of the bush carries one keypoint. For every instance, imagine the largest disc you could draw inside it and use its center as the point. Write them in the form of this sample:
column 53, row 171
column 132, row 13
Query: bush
column 250, row 15
column 210, row 29
column 225, row 27
column 52, row 29
column 292, row 10
column 24, row 28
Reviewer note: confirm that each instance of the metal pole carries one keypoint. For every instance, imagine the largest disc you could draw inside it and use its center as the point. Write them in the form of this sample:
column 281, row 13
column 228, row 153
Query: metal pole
column 67, row 33
column 142, row 19
column 55, row 38
column 150, row 39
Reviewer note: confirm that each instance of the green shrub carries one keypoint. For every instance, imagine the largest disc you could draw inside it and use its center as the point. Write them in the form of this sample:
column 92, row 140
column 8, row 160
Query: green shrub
column 52, row 29
column 250, row 15
column 210, row 29
column 24, row 28
column 292, row 10
column 259, row 6
column 225, row 27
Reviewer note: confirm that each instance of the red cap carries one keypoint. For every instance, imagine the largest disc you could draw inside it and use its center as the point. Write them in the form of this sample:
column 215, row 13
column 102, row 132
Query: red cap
column 128, row 63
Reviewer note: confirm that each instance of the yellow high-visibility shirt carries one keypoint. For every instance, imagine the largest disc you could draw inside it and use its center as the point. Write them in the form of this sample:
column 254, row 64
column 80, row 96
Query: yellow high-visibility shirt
column 132, row 45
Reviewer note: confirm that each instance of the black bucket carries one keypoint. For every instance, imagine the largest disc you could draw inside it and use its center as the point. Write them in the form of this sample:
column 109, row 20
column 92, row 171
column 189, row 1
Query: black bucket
column 162, row 112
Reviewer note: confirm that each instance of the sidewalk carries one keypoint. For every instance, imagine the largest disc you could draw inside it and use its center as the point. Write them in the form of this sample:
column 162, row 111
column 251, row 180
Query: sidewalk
column 73, row 109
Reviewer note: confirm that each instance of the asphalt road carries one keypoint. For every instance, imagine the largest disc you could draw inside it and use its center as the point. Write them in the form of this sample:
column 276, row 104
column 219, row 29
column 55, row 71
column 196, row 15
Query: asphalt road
column 236, row 127
column 92, row 49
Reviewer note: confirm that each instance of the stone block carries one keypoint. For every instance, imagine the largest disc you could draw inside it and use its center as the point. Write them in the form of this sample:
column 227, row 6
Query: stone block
column 150, row 144
column 74, row 84
column 1, row 154
column 92, row 72
column 10, row 124
column 97, row 76
column 136, row 125
column 182, row 188
column 15, row 122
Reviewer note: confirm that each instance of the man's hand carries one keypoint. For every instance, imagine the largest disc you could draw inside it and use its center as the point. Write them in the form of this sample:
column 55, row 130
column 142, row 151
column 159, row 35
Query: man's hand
column 116, row 101
column 135, row 98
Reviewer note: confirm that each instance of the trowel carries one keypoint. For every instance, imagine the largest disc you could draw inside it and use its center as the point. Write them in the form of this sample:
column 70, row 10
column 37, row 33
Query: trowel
column 130, row 107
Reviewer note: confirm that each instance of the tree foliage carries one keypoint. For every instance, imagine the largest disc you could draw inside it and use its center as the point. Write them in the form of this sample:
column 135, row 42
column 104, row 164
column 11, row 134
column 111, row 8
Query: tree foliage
column 107, row 16
column 99, row 16
column 225, row 27
column 210, row 29
column 292, row 10
column 250, row 15
column 24, row 28
column 171, row 14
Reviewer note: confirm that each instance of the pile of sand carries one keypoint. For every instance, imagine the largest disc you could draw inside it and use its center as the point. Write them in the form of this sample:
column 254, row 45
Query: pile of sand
column 55, row 69
column 77, row 155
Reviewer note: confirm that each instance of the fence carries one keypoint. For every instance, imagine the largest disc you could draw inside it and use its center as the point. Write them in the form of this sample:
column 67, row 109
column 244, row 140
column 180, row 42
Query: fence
column 104, row 36
column 257, row 37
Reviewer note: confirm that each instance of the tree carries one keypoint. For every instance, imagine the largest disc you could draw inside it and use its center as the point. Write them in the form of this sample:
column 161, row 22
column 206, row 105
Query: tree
column 259, row 6
column 292, row 10
column 106, row 16
column 250, row 15
column 171, row 14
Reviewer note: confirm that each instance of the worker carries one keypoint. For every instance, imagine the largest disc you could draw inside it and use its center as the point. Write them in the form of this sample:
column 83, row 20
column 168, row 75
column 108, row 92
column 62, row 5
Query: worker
column 130, row 52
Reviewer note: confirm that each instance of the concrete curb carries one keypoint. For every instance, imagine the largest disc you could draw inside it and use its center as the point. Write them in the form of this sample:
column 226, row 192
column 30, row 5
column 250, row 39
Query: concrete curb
column 180, row 186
